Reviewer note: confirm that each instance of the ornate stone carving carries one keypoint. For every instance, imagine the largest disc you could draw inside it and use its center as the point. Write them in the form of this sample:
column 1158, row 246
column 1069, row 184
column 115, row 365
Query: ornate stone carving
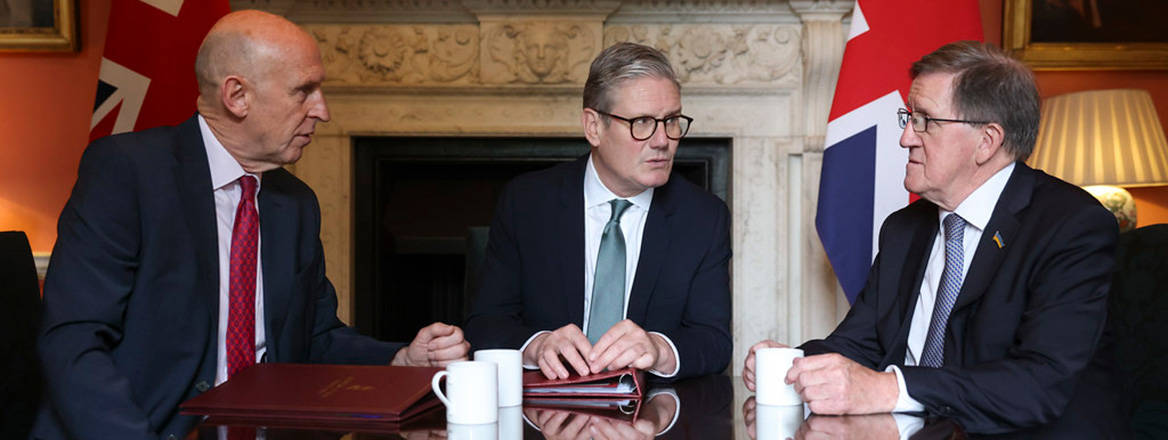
column 385, row 55
column 761, row 54
column 538, row 52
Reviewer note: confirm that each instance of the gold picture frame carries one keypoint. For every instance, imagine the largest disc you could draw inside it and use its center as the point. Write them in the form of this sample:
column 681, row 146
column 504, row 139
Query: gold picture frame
column 1074, row 55
column 38, row 25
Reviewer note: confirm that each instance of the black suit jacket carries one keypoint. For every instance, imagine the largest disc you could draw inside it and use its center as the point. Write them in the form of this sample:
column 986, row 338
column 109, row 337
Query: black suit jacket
column 1027, row 320
column 131, row 297
column 533, row 278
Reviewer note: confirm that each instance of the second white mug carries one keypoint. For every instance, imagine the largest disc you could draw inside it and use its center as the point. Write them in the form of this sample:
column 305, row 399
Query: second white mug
column 471, row 392
column 770, row 368
column 510, row 365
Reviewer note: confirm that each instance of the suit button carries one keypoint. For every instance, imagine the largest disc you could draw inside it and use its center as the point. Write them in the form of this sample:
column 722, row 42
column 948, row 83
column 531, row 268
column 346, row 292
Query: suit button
column 202, row 386
column 171, row 437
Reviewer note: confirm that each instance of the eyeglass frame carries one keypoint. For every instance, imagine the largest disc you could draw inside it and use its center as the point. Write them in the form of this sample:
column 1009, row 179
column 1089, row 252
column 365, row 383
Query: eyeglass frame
column 904, row 117
column 662, row 121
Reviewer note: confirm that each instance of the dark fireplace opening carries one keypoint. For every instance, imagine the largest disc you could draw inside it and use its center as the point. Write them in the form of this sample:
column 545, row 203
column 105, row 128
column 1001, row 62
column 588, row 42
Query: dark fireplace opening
column 422, row 208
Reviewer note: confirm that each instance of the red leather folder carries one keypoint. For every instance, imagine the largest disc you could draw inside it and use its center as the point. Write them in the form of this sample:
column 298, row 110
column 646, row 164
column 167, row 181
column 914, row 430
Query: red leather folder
column 624, row 383
column 301, row 392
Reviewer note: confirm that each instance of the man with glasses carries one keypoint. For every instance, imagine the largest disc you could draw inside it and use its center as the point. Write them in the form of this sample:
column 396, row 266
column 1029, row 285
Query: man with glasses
column 988, row 297
column 607, row 262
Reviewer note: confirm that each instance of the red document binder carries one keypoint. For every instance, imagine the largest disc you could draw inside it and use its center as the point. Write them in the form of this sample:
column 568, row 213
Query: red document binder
column 624, row 383
column 301, row 392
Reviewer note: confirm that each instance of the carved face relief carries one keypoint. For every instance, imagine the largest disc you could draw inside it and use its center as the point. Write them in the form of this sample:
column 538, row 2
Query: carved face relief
column 542, row 49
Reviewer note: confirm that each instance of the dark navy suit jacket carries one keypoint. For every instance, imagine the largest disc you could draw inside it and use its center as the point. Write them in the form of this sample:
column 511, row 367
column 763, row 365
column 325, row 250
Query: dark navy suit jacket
column 1022, row 336
column 131, row 296
column 533, row 277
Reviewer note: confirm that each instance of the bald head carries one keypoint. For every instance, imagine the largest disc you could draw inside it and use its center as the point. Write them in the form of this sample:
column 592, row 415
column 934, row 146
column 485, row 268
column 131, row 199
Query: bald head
column 249, row 44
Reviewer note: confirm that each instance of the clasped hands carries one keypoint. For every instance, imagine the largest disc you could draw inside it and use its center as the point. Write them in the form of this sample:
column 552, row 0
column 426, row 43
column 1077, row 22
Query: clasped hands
column 435, row 345
column 626, row 344
column 833, row 384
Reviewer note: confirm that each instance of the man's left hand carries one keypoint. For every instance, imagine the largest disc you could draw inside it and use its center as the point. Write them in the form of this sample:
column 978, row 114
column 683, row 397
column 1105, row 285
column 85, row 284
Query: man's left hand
column 435, row 345
column 833, row 384
column 626, row 344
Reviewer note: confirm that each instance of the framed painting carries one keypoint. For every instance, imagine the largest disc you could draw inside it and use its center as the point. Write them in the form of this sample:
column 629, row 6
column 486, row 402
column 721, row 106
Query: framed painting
column 1087, row 34
column 38, row 25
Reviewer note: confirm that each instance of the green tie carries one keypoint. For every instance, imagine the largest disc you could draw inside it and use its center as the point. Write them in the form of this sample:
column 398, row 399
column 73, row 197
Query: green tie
column 608, row 287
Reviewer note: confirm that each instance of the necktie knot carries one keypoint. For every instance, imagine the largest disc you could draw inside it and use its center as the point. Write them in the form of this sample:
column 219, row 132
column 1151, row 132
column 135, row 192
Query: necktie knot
column 248, row 185
column 954, row 227
column 618, row 209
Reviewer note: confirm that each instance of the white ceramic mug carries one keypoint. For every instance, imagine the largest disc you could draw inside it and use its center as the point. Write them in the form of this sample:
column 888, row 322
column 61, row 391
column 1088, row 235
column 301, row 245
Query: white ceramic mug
column 770, row 368
column 777, row 422
column 471, row 392
column 510, row 368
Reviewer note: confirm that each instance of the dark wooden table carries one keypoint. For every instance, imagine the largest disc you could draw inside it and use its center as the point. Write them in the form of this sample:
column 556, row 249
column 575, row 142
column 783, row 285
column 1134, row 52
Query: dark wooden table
column 714, row 407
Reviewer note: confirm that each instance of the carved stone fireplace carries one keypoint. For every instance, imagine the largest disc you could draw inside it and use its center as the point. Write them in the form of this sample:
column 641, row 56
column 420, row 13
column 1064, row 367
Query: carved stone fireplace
column 759, row 73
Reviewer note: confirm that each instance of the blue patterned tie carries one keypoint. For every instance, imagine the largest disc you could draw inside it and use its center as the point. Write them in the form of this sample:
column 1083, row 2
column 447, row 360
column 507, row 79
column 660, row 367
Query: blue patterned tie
column 934, row 352
column 608, row 286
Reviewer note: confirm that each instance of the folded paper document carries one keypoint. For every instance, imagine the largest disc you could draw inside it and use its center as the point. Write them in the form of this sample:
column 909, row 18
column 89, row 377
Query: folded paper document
column 623, row 383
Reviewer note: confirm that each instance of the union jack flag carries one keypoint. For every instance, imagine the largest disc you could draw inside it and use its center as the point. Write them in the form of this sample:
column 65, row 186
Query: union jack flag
column 147, row 74
column 862, row 179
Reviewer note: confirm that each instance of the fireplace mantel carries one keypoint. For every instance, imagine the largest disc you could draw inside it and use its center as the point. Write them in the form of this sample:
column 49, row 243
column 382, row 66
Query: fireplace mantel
column 760, row 73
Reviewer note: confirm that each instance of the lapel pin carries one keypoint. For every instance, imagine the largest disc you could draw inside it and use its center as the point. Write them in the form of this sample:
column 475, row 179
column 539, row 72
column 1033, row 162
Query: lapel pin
column 998, row 239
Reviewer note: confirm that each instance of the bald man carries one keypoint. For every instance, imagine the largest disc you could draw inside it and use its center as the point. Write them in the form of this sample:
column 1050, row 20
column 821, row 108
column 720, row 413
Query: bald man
column 186, row 254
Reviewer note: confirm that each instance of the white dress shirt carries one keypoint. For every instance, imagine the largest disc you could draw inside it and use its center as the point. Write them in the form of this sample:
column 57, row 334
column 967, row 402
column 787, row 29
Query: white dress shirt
column 976, row 210
column 225, row 174
column 597, row 212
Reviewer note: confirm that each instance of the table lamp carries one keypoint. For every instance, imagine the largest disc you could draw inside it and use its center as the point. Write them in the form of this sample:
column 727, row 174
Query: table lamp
column 1102, row 140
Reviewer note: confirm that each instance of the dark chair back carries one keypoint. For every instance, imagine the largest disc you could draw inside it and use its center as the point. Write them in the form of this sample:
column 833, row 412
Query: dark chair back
column 1139, row 322
column 20, row 313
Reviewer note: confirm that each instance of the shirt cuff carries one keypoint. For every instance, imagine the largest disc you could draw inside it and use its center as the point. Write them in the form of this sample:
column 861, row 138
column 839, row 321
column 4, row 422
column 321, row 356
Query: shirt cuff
column 677, row 401
column 904, row 402
column 676, row 358
column 907, row 425
column 524, row 349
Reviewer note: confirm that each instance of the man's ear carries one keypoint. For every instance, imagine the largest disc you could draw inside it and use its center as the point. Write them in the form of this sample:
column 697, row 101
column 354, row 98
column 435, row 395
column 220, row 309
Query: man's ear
column 592, row 126
column 235, row 93
column 991, row 141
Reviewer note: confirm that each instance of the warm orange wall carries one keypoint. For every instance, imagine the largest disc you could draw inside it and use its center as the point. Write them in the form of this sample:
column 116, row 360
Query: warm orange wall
column 1151, row 203
column 46, row 100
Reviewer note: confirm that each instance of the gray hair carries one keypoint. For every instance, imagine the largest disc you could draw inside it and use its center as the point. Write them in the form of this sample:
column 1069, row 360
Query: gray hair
column 619, row 63
column 989, row 86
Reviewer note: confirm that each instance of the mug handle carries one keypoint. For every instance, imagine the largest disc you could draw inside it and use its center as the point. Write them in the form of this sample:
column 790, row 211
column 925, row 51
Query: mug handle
column 438, row 391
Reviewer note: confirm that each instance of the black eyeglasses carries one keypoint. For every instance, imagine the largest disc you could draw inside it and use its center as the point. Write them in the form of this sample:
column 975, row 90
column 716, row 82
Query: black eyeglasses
column 643, row 127
column 920, row 123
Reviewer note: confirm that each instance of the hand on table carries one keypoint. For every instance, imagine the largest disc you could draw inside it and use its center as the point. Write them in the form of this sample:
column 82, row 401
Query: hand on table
column 833, row 384
column 626, row 344
column 435, row 345
column 550, row 351
column 748, row 366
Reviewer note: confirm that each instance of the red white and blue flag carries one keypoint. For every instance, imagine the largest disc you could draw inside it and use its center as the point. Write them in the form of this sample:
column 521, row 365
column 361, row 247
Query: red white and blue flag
column 147, row 74
column 862, row 180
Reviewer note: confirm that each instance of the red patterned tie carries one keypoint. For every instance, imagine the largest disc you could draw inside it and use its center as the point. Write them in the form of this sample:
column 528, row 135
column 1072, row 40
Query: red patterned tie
column 241, row 317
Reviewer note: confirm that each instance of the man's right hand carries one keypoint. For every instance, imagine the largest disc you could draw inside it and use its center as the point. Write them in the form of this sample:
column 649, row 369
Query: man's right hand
column 550, row 350
column 748, row 366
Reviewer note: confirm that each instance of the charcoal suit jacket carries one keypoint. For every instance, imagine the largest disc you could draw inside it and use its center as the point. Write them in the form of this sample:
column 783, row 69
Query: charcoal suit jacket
column 1022, row 337
column 132, row 294
column 533, row 277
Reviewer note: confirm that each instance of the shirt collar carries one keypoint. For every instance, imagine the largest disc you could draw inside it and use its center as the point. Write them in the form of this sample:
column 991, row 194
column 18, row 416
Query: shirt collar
column 595, row 193
column 977, row 209
column 224, row 168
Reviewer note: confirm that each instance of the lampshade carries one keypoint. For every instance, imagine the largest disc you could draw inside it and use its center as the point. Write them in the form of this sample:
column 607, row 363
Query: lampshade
column 1102, row 137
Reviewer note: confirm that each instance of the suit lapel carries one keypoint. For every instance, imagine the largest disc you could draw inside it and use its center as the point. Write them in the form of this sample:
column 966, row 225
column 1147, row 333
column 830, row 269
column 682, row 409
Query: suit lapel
column 654, row 245
column 1004, row 222
column 193, row 181
column 911, row 276
column 277, row 230
column 570, row 235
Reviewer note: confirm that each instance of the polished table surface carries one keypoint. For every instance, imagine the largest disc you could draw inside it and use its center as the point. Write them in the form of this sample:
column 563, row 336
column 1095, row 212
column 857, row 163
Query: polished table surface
column 713, row 407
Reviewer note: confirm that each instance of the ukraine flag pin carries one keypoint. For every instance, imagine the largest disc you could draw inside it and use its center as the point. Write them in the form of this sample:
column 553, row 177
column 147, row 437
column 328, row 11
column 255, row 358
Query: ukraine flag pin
column 998, row 239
